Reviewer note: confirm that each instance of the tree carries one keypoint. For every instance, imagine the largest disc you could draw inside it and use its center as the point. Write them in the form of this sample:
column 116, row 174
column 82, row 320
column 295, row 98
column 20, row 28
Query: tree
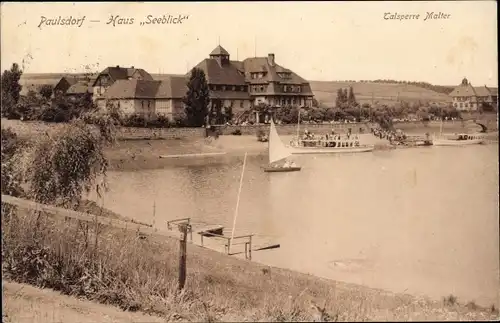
column 287, row 114
column 215, row 116
column 11, row 89
column 197, row 99
column 351, row 99
column 46, row 91
column 345, row 99
column 339, row 100
column 59, row 169
column 11, row 183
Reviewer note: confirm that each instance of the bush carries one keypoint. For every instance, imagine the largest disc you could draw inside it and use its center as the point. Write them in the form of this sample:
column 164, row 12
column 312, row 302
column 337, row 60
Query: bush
column 161, row 121
column 134, row 120
column 11, row 182
column 236, row 132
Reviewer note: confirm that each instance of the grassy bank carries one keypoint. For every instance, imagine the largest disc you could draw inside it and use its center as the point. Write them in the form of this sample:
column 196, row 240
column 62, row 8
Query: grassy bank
column 117, row 267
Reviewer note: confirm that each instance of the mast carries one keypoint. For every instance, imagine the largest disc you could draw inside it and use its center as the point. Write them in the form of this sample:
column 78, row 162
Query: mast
column 237, row 203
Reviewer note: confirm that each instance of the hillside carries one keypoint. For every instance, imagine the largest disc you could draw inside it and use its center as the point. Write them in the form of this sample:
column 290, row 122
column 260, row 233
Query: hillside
column 383, row 93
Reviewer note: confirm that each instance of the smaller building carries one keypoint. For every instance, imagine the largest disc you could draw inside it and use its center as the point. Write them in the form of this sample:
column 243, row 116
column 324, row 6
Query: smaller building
column 110, row 75
column 466, row 97
column 67, row 81
column 147, row 98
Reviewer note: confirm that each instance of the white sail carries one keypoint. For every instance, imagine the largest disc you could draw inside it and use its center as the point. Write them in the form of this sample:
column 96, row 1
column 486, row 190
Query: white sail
column 277, row 150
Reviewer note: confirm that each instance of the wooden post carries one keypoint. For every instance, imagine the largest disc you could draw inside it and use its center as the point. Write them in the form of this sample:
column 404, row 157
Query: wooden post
column 250, row 249
column 182, row 256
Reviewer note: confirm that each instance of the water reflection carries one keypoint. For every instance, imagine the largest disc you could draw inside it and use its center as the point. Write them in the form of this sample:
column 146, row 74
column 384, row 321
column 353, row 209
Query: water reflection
column 420, row 220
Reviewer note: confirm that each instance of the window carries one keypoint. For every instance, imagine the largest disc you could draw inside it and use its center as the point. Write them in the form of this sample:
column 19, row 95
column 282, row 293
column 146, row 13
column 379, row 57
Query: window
column 233, row 88
column 262, row 89
column 223, row 88
column 455, row 104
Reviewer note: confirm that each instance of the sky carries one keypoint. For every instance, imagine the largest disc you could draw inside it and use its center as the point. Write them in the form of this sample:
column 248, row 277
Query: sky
column 318, row 40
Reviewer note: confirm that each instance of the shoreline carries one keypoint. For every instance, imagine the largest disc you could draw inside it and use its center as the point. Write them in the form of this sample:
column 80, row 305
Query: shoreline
column 134, row 155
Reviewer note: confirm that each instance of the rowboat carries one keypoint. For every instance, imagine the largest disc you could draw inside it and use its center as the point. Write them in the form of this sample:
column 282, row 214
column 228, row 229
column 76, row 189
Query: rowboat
column 278, row 153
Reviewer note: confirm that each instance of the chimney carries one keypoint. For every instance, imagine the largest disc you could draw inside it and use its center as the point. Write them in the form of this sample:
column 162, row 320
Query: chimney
column 270, row 59
column 117, row 66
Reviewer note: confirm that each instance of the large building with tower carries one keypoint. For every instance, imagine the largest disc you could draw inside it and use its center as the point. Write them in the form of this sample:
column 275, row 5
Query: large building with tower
column 242, row 85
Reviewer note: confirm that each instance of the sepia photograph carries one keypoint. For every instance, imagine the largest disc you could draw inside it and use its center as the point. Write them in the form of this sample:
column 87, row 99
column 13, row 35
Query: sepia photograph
column 263, row 161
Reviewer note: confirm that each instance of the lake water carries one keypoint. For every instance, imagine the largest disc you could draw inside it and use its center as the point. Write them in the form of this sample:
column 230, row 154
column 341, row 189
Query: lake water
column 422, row 221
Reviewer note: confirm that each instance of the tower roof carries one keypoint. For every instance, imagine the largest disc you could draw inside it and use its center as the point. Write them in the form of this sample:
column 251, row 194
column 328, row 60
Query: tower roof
column 219, row 50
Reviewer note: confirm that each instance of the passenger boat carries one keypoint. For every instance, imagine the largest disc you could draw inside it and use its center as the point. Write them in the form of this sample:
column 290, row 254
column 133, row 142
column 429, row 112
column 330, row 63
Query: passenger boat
column 336, row 144
column 458, row 140
column 278, row 153
column 327, row 145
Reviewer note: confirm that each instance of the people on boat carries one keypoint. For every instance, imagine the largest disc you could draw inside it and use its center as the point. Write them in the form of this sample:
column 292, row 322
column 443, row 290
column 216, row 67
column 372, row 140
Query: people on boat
column 289, row 164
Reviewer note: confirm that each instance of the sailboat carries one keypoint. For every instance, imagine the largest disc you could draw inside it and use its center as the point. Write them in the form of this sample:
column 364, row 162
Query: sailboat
column 277, row 153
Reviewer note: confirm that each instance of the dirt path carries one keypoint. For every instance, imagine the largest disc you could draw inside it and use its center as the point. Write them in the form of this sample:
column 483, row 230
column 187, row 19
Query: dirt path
column 25, row 303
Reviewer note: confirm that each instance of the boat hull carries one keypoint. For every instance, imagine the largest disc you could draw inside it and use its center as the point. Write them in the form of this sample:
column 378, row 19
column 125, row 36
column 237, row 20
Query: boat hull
column 329, row 150
column 448, row 142
column 281, row 169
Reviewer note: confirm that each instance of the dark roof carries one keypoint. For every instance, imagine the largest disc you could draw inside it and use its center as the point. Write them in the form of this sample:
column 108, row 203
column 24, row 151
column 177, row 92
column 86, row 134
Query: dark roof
column 170, row 88
column 261, row 64
column 124, row 73
column 465, row 90
column 226, row 74
column 132, row 89
column 219, row 50
column 79, row 88
column 239, row 73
